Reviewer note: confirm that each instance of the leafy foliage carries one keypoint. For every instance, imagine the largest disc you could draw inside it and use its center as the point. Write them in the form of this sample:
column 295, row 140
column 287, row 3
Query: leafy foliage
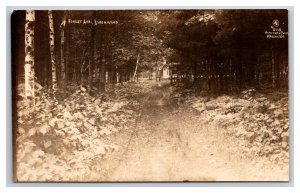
column 59, row 140
column 260, row 122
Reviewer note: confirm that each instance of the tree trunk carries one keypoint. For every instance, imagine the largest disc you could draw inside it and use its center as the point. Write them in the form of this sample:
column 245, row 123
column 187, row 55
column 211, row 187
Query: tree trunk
column 99, row 76
column 92, row 60
column 68, row 69
column 136, row 66
column 29, row 54
column 103, row 60
column 273, row 69
column 53, row 64
column 62, row 51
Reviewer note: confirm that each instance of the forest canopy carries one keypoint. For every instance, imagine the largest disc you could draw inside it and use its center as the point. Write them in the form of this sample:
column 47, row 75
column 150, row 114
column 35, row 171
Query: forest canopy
column 216, row 50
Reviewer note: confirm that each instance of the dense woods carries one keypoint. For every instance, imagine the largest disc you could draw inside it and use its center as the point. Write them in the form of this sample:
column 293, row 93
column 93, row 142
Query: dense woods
column 216, row 50
column 81, row 76
column 228, row 50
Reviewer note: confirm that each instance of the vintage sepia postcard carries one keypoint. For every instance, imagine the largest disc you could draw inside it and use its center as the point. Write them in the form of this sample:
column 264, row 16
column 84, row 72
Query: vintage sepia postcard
column 150, row 95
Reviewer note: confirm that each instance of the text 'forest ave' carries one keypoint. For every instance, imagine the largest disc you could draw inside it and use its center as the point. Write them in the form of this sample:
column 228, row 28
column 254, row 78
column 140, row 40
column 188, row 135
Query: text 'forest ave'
column 92, row 22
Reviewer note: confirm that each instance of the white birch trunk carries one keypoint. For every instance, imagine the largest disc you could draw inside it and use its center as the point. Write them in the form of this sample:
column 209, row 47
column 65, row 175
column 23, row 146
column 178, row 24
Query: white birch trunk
column 29, row 54
column 53, row 65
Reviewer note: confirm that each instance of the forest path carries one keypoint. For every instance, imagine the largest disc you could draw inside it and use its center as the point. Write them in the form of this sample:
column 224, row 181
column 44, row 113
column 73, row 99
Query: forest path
column 170, row 143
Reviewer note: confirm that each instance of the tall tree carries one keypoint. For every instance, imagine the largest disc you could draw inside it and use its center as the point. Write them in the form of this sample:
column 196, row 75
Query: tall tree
column 136, row 66
column 92, row 58
column 62, row 49
column 92, row 54
column 52, row 54
column 29, row 54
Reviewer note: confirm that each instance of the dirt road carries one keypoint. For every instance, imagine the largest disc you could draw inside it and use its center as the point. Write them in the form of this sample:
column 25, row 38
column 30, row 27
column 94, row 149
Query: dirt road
column 171, row 143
